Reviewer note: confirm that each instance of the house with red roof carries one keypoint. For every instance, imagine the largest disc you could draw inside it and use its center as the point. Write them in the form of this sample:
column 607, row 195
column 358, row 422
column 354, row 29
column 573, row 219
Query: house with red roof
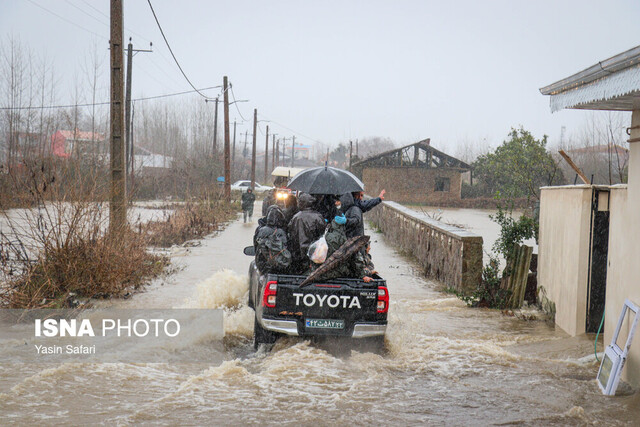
column 76, row 143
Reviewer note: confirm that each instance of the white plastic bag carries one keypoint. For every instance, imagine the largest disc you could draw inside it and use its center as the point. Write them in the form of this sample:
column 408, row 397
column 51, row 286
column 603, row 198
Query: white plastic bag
column 318, row 250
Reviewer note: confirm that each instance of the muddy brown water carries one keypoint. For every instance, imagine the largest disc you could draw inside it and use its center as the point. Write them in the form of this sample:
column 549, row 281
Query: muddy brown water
column 443, row 364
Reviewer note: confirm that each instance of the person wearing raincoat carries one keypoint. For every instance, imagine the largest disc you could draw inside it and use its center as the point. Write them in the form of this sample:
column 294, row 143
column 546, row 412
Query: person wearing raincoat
column 355, row 266
column 355, row 225
column 248, row 199
column 270, row 242
column 366, row 205
column 305, row 227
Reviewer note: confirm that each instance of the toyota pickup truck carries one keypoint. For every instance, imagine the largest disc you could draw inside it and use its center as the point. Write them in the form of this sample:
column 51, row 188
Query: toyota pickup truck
column 344, row 307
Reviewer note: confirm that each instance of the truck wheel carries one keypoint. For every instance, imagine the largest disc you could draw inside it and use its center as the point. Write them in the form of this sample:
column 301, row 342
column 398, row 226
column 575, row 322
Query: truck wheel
column 261, row 335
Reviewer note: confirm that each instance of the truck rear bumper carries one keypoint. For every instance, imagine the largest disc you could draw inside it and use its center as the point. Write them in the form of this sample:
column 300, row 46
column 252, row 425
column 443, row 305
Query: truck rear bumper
column 290, row 327
column 364, row 330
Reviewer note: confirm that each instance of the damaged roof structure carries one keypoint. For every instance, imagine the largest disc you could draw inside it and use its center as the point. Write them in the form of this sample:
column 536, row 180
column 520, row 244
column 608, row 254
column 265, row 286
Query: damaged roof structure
column 415, row 173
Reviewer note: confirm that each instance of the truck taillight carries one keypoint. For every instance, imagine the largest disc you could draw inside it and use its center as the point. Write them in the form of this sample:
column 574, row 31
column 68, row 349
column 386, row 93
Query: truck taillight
column 269, row 297
column 383, row 299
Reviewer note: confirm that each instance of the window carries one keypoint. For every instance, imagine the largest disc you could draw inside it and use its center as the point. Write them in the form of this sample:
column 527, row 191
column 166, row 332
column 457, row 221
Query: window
column 442, row 184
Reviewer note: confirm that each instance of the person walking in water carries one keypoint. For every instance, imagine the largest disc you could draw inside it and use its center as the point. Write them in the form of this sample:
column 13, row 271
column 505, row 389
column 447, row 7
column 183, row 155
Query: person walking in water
column 248, row 199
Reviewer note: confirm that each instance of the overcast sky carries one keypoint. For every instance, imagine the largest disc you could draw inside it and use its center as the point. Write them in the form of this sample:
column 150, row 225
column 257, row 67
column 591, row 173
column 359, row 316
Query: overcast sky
column 453, row 71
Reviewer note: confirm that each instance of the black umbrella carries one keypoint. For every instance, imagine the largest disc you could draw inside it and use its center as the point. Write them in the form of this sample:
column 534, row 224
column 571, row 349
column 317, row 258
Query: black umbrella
column 326, row 180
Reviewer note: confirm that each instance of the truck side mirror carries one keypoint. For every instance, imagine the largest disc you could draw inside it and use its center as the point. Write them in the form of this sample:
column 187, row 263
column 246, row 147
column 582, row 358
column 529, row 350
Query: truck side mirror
column 249, row 251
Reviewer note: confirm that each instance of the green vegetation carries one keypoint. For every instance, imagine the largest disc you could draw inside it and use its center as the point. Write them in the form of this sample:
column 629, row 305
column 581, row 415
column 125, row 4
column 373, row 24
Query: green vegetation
column 517, row 168
column 513, row 232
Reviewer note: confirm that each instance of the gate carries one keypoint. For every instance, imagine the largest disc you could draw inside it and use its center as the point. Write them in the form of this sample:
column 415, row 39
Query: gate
column 598, row 249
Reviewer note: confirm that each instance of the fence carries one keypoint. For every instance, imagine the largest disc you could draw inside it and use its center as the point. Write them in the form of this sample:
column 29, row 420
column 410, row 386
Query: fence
column 446, row 253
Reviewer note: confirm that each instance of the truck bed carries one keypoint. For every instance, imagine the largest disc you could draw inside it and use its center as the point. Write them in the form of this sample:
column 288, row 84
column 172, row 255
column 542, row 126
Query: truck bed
column 337, row 307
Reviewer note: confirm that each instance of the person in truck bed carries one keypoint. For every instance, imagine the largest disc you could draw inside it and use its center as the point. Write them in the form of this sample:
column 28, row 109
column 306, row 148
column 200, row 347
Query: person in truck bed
column 353, row 214
column 366, row 205
column 270, row 241
column 305, row 227
column 356, row 265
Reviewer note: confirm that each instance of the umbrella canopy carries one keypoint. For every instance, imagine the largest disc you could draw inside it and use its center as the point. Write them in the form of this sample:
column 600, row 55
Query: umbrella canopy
column 326, row 180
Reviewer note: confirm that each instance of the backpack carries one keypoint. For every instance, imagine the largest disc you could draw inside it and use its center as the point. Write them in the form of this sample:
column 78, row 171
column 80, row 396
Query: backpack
column 272, row 255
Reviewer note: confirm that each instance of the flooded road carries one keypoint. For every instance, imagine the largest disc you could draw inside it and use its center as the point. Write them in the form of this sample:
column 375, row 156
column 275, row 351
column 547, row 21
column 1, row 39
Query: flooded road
column 444, row 364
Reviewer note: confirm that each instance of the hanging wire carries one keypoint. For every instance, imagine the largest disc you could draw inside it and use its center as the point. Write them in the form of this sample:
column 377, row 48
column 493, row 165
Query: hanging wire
column 172, row 54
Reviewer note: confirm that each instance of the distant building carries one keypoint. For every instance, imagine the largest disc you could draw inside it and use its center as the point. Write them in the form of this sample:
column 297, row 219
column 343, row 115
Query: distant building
column 416, row 173
column 76, row 143
column 149, row 163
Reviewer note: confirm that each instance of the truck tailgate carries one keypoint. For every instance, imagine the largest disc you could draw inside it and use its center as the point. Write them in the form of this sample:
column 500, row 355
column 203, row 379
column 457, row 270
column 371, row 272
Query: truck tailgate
column 322, row 301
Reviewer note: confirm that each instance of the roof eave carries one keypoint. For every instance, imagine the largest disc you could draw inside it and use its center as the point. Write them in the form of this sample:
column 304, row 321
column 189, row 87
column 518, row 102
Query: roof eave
column 616, row 63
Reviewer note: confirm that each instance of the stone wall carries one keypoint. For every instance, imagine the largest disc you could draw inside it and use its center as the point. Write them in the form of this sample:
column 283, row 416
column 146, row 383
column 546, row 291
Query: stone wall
column 446, row 253
column 412, row 184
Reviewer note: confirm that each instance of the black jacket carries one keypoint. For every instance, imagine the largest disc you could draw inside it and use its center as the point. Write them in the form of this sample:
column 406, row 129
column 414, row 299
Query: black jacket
column 247, row 200
column 305, row 227
column 269, row 199
column 354, row 226
column 367, row 205
column 270, row 241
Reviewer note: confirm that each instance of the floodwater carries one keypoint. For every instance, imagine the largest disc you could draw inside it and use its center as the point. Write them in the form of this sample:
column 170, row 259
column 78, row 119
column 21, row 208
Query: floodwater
column 477, row 221
column 443, row 364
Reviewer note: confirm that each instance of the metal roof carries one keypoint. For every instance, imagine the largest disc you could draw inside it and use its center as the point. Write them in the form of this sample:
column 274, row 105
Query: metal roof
column 612, row 84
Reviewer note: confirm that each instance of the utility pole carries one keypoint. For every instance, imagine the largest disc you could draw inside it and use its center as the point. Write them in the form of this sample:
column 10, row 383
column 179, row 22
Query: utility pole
column 227, row 157
column 253, row 150
column 284, row 148
column 293, row 151
column 132, row 175
column 273, row 151
column 128, row 111
column 233, row 156
column 244, row 153
column 350, row 154
column 277, row 153
column 118, row 204
column 215, row 129
column 127, row 106
column 266, row 156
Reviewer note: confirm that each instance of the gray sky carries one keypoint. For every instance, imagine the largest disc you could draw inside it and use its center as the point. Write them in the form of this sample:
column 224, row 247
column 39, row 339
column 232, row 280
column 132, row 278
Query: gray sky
column 453, row 71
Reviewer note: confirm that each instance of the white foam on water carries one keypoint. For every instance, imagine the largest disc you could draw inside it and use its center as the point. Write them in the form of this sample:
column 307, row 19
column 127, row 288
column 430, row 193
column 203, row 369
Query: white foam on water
column 224, row 289
column 229, row 291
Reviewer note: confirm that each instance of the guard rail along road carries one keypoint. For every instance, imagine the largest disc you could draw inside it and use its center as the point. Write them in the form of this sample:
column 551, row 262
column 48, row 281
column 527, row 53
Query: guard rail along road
column 446, row 253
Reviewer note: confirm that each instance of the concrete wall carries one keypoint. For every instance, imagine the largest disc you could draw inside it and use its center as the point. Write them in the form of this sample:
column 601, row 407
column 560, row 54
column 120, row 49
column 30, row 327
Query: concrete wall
column 446, row 253
column 411, row 184
column 563, row 254
column 623, row 273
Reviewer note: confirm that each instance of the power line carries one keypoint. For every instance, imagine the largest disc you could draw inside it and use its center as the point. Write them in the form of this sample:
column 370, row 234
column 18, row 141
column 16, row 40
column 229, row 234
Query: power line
column 107, row 16
column 47, row 107
column 171, row 51
column 67, row 20
column 87, row 13
column 291, row 130
column 236, row 103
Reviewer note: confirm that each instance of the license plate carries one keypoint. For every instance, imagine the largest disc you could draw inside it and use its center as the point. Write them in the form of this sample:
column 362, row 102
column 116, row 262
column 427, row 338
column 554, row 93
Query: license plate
column 325, row 323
